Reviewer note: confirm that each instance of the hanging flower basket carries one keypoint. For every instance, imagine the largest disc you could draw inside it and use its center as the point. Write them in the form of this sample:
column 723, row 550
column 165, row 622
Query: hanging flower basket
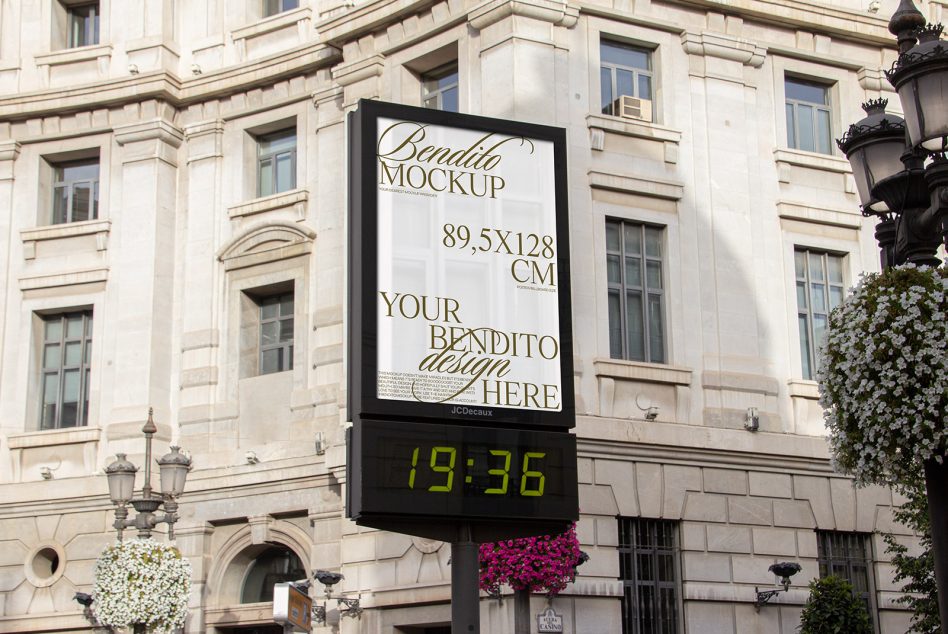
column 884, row 375
column 538, row 564
column 142, row 582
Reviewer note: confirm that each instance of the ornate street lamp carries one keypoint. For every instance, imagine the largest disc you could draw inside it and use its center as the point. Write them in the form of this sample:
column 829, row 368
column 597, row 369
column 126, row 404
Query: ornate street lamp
column 901, row 175
column 173, row 472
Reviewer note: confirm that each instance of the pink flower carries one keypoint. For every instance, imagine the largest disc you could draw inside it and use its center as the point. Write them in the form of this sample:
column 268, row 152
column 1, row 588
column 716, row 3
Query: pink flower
column 538, row 564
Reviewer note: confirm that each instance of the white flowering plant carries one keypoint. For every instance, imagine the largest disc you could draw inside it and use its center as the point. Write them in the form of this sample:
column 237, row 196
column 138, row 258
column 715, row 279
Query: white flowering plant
column 143, row 582
column 884, row 375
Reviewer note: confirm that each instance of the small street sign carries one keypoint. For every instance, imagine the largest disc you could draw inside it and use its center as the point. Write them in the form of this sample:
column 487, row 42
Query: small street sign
column 549, row 621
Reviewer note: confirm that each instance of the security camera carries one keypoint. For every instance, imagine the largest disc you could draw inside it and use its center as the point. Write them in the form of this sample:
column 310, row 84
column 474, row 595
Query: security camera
column 83, row 599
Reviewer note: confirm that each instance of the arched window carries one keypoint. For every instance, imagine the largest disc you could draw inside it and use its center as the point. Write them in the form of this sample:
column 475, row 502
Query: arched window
column 276, row 564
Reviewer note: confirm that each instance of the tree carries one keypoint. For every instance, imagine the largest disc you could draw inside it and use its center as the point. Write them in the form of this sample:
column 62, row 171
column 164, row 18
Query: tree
column 832, row 609
column 917, row 571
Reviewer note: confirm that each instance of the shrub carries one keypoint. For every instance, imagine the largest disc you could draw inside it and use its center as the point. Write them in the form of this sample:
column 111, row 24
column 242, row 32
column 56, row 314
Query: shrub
column 832, row 609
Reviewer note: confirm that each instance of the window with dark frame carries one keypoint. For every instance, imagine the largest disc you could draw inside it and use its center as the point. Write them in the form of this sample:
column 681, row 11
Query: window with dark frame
column 276, row 564
column 849, row 555
column 75, row 191
column 83, row 23
column 808, row 115
column 648, row 568
column 64, row 374
column 634, row 263
column 820, row 289
column 439, row 88
column 273, row 7
column 624, row 70
column 276, row 333
column 276, row 162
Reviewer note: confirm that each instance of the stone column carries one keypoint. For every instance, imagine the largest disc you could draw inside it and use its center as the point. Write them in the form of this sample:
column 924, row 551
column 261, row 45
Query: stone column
column 141, row 287
column 359, row 79
column 524, row 65
column 200, row 334
column 9, row 150
column 728, row 190
column 328, row 264
column 194, row 542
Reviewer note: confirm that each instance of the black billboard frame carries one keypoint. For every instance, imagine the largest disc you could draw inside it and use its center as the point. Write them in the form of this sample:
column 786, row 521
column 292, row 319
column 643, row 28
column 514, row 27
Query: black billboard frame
column 363, row 266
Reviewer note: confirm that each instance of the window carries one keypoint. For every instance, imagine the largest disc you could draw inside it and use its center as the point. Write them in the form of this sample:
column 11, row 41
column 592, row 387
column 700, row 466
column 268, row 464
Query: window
column 272, row 7
column 636, row 296
column 848, row 555
column 440, row 88
column 648, row 567
column 276, row 162
column 66, row 350
column 808, row 116
column 819, row 279
column 625, row 70
column 277, row 564
column 75, row 191
column 82, row 21
column 276, row 333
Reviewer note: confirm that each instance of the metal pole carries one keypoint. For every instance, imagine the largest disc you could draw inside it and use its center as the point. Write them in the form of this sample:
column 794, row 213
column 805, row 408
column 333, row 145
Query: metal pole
column 936, row 483
column 465, row 597
column 522, row 611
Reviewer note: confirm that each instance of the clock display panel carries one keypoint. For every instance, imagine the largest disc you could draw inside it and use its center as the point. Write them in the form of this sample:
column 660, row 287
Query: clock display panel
column 412, row 469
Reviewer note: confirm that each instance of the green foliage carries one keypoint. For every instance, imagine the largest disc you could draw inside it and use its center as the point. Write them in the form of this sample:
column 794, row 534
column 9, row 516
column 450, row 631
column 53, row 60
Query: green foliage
column 832, row 609
column 918, row 572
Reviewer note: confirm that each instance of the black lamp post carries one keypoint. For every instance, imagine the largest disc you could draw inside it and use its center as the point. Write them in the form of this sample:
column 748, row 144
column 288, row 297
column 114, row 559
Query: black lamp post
column 901, row 175
column 173, row 468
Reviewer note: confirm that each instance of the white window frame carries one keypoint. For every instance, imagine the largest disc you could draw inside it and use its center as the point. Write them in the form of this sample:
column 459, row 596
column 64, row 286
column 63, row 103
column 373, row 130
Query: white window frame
column 273, row 157
column 810, row 363
column 432, row 93
column 637, row 72
column 794, row 118
column 70, row 187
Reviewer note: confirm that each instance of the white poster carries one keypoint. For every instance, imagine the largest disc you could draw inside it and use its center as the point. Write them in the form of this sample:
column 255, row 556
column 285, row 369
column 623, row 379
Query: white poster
column 467, row 298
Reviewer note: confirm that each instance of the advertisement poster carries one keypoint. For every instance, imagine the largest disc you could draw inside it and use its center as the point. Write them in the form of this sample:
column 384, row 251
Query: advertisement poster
column 467, row 300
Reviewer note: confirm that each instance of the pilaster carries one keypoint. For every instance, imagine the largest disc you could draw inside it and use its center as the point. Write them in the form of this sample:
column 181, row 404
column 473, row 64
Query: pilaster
column 140, row 300
column 724, row 74
column 359, row 79
column 203, row 217
column 9, row 150
column 523, row 55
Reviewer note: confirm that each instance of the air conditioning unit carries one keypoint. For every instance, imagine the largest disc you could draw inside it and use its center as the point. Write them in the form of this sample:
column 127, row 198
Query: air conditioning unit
column 629, row 107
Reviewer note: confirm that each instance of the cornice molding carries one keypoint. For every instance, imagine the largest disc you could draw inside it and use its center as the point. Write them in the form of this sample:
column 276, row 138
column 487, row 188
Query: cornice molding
column 166, row 86
column 9, row 150
column 724, row 47
column 556, row 12
column 149, row 130
column 807, row 15
column 354, row 72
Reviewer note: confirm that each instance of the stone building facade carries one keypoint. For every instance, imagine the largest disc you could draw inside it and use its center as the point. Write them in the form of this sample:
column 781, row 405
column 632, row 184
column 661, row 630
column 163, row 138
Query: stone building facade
column 173, row 230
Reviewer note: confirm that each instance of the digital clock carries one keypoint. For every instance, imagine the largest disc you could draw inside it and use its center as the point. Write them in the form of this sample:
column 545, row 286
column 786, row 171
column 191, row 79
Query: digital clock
column 453, row 472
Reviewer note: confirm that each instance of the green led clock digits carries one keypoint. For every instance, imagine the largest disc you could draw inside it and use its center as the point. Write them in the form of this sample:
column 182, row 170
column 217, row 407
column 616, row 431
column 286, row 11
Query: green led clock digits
column 532, row 481
column 414, row 463
column 449, row 469
column 541, row 482
column 505, row 472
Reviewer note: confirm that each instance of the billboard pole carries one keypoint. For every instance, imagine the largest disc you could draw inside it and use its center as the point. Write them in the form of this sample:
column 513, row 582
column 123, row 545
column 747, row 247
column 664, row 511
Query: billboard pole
column 465, row 596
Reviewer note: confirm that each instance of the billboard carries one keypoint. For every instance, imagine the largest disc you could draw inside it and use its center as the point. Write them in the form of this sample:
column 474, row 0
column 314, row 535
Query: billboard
column 460, row 365
column 460, row 256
